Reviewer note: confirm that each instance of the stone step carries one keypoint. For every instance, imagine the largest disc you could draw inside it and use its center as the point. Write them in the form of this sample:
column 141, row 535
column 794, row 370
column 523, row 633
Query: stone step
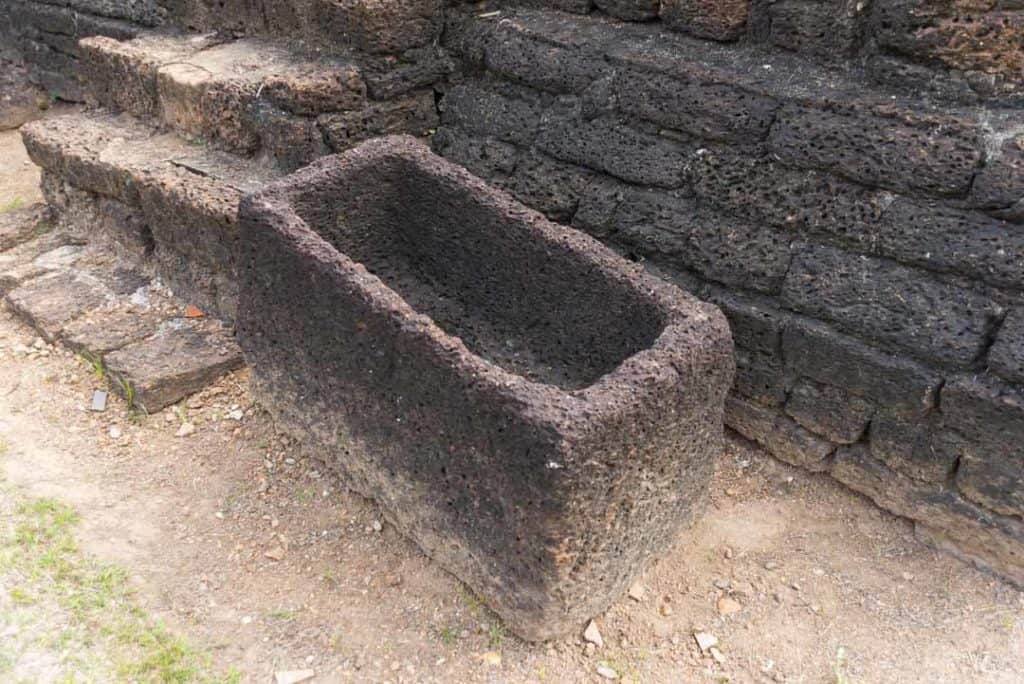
column 168, row 204
column 154, row 349
column 252, row 96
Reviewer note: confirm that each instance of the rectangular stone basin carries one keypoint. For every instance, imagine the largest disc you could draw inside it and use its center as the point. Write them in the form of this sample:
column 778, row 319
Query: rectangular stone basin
column 537, row 413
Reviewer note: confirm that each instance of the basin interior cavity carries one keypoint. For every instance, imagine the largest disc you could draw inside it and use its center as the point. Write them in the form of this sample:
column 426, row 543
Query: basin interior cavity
column 530, row 307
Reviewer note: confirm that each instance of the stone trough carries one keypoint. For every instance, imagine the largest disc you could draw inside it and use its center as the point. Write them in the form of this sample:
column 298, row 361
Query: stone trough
column 538, row 414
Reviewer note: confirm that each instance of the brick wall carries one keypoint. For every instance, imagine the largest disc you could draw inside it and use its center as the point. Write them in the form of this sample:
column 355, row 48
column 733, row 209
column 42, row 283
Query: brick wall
column 862, row 234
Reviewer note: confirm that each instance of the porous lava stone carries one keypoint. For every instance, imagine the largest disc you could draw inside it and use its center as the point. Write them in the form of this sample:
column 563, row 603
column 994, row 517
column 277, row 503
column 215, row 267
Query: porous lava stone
column 538, row 414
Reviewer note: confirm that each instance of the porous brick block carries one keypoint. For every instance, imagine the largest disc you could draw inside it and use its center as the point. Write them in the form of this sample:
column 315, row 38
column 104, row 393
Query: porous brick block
column 999, row 185
column 829, row 411
column 715, row 19
column 779, row 434
column 539, row 415
column 669, row 228
column 512, row 51
column 122, row 75
column 803, row 201
column 549, row 186
column 378, row 26
column 610, row 145
column 986, row 538
column 188, row 195
column 940, row 238
column 490, row 159
column 1006, row 358
column 484, row 112
column 906, row 152
column 195, row 230
column 814, row 350
column 828, row 30
column 921, row 448
column 630, row 10
column 415, row 115
column 706, row 104
column 991, row 415
column 900, row 307
column 760, row 377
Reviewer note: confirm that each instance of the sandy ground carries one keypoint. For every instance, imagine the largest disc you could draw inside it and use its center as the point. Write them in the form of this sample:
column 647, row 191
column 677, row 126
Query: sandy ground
column 236, row 542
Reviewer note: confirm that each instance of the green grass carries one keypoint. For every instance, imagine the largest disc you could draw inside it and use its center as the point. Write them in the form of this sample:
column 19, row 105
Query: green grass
column 41, row 563
column 448, row 635
column 496, row 635
column 13, row 204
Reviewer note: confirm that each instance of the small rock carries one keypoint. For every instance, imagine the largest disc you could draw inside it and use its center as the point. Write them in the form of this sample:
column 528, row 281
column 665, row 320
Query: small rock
column 593, row 634
column 377, row 526
column 743, row 588
column 492, row 658
column 394, row 580
column 590, row 649
column 637, row 591
column 717, row 655
column 186, row 429
column 236, row 415
column 907, row 577
column 275, row 554
column 607, row 672
column 771, row 565
column 727, row 552
column 728, row 606
column 99, row 401
column 193, row 311
column 115, row 432
column 293, row 676
column 721, row 583
column 705, row 640
column 666, row 609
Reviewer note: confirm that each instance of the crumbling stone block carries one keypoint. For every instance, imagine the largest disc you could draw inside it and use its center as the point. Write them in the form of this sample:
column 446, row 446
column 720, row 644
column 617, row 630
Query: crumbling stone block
column 999, row 185
column 714, row 19
column 828, row 30
column 779, row 434
column 944, row 239
column 991, row 415
column 630, row 10
column 706, row 104
column 1007, row 356
column 909, row 153
column 539, row 415
column 901, row 307
column 814, row 350
column 800, row 200
column 179, row 360
column 610, row 145
column 829, row 411
column 921, row 448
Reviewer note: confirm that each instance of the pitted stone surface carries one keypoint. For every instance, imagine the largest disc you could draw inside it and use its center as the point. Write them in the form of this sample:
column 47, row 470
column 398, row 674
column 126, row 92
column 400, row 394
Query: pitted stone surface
column 496, row 382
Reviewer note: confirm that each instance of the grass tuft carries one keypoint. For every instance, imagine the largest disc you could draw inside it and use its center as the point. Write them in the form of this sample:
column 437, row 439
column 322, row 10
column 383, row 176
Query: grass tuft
column 41, row 563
